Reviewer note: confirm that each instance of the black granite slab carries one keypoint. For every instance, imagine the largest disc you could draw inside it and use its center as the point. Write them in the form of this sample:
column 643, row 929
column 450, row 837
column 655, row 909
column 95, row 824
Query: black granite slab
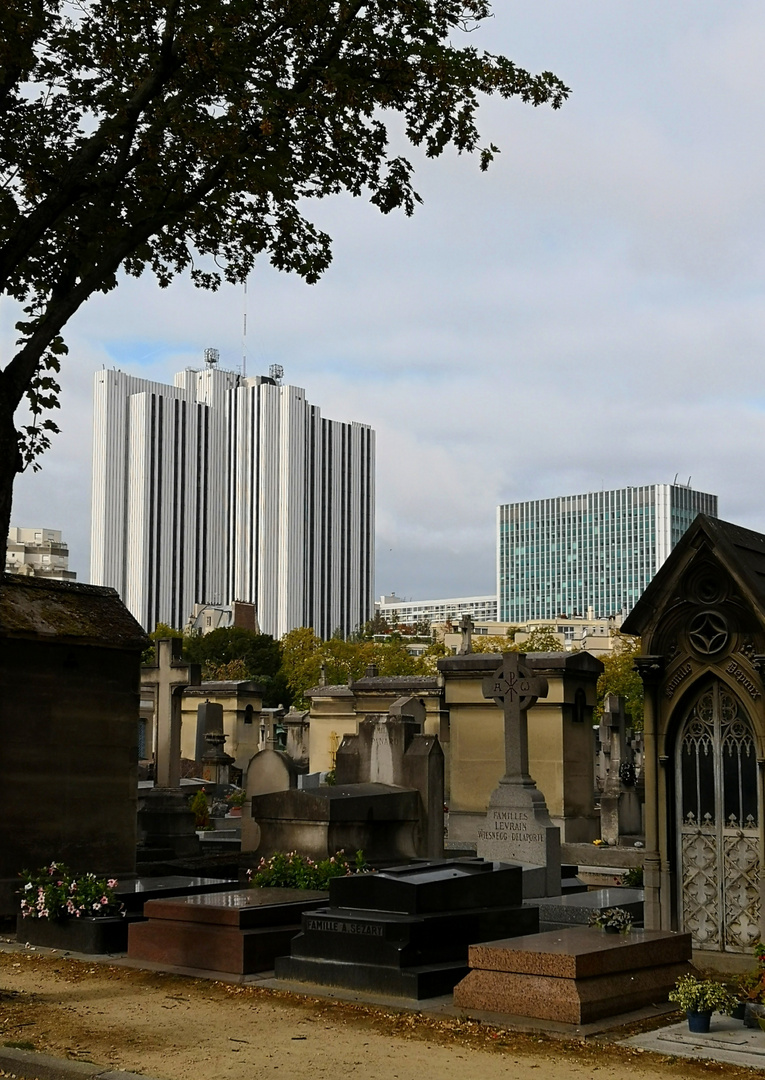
column 134, row 894
column 406, row 931
column 423, row 887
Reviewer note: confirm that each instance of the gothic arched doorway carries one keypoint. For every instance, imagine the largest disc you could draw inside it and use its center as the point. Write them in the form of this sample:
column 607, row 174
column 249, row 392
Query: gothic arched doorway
column 719, row 823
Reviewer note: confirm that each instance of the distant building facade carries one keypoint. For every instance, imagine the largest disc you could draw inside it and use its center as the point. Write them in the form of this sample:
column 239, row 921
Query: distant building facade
column 223, row 488
column 38, row 553
column 589, row 553
column 409, row 612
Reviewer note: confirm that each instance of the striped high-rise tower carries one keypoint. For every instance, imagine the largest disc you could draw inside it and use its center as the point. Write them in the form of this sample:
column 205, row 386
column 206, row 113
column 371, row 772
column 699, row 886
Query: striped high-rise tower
column 224, row 488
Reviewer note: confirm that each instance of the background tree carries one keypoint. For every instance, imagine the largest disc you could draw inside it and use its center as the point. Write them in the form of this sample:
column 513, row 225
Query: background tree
column 232, row 652
column 187, row 135
column 620, row 677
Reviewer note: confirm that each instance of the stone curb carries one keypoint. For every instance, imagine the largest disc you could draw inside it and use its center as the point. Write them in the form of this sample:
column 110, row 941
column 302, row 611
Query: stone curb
column 33, row 1066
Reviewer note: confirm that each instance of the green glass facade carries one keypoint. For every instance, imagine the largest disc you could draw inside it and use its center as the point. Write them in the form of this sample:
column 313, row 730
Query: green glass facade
column 598, row 551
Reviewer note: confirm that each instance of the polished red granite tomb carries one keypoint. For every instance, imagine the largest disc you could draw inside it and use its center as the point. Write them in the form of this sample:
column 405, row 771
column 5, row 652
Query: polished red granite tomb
column 237, row 932
column 574, row 976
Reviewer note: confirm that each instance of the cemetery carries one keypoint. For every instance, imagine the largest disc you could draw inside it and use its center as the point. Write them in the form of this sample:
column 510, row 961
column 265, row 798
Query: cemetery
column 495, row 911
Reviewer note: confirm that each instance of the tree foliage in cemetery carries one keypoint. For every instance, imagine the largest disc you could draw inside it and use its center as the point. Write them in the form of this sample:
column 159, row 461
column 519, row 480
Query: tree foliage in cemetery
column 620, row 677
column 232, row 652
column 188, row 135
column 306, row 659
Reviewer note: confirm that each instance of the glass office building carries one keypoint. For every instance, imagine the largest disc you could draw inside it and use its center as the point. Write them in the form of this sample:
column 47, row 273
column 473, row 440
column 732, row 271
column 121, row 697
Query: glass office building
column 588, row 555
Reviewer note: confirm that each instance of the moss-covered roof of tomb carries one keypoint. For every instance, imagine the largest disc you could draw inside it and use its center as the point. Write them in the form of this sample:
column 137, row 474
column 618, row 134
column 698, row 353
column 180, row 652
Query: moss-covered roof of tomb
column 224, row 688
column 396, row 682
column 67, row 610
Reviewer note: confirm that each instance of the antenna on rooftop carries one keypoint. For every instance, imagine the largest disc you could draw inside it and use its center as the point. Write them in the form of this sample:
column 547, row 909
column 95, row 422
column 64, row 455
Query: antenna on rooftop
column 244, row 331
column 276, row 372
column 212, row 357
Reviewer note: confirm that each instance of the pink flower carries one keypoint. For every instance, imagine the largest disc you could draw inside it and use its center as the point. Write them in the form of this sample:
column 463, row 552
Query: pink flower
column 112, row 883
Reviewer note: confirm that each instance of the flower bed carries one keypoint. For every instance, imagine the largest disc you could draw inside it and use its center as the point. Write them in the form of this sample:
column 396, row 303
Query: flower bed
column 85, row 935
column 292, row 871
column 64, row 910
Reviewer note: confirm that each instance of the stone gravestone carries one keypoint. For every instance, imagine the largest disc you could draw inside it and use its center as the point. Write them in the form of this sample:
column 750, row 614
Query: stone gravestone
column 466, row 628
column 392, row 750
column 620, row 809
column 166, row 678
column 518, row 826
column 209, row 718
column 165, row 822
column 388, row 797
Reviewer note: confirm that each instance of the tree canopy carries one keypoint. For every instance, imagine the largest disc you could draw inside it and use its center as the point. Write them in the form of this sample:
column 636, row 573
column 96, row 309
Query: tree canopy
column 188, row 135
column 620, row 677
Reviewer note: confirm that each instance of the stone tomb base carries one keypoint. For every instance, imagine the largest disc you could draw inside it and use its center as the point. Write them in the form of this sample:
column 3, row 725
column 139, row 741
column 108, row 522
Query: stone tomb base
column 406, row 931
column 238, row 932
column 574, row 976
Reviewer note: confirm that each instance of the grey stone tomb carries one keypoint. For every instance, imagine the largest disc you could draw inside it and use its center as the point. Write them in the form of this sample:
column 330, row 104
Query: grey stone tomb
column 518, row 826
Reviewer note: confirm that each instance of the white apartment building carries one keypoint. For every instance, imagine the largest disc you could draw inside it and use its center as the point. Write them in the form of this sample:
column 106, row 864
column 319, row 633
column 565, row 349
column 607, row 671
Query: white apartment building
column 223, row 488
column 38, row 553
column 408, row 612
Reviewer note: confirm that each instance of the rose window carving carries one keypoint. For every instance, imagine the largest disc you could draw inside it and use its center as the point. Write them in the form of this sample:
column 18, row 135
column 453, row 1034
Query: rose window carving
column 708, row 632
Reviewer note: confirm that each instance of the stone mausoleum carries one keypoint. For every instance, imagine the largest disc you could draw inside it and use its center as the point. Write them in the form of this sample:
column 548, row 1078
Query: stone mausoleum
column 702, row 624
column 69, row 669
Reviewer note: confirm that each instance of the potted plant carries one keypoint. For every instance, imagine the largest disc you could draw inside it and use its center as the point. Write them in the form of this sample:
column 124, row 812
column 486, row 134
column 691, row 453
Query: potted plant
column 612, row 920
column 236, row 801
column 750, row 991
column 63, row 909
column 700, row 998
column 200, row 808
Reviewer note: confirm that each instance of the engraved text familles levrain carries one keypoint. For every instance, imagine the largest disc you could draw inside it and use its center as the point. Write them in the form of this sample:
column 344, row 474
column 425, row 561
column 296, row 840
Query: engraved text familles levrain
column 510, row 826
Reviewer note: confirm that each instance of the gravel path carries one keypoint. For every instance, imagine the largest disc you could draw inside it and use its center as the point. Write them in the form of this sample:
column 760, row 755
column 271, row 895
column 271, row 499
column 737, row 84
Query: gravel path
column 188, row 1029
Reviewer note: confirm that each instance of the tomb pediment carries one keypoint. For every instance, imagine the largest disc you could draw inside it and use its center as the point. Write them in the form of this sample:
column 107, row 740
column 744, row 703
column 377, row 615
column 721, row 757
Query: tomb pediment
column 708, row 599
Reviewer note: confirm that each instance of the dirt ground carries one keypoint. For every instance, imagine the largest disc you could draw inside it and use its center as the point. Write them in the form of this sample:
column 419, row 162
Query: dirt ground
column 188, row 1029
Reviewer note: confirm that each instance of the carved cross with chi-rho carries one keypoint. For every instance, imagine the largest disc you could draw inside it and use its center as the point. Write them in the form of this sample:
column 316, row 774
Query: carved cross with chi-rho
column 515, row 690
column 167, row 677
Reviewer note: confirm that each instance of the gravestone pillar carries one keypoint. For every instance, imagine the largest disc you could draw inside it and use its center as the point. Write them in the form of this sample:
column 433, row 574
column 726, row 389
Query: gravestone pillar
column 612, row 739
column 518, row 826
column 167, row 677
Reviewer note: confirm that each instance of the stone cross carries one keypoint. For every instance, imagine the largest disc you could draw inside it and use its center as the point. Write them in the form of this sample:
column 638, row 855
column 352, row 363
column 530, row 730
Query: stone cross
column 167, row 677
column 515, row 690
column 466, row 627
column 518, row 826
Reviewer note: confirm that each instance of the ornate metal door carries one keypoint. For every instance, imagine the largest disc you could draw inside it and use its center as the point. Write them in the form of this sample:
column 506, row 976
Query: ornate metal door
column 717, row 808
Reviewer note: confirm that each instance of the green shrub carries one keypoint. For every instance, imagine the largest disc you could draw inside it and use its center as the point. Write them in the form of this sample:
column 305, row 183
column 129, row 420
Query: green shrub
column 633, row 878
column 292, row 871
column 702, row 995
column 200, row 809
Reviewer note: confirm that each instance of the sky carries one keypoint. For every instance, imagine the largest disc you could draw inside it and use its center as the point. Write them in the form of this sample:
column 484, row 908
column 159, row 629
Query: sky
column 587, row 314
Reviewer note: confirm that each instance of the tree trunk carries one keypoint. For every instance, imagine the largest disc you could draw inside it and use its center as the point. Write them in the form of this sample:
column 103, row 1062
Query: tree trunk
column 10, row 467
